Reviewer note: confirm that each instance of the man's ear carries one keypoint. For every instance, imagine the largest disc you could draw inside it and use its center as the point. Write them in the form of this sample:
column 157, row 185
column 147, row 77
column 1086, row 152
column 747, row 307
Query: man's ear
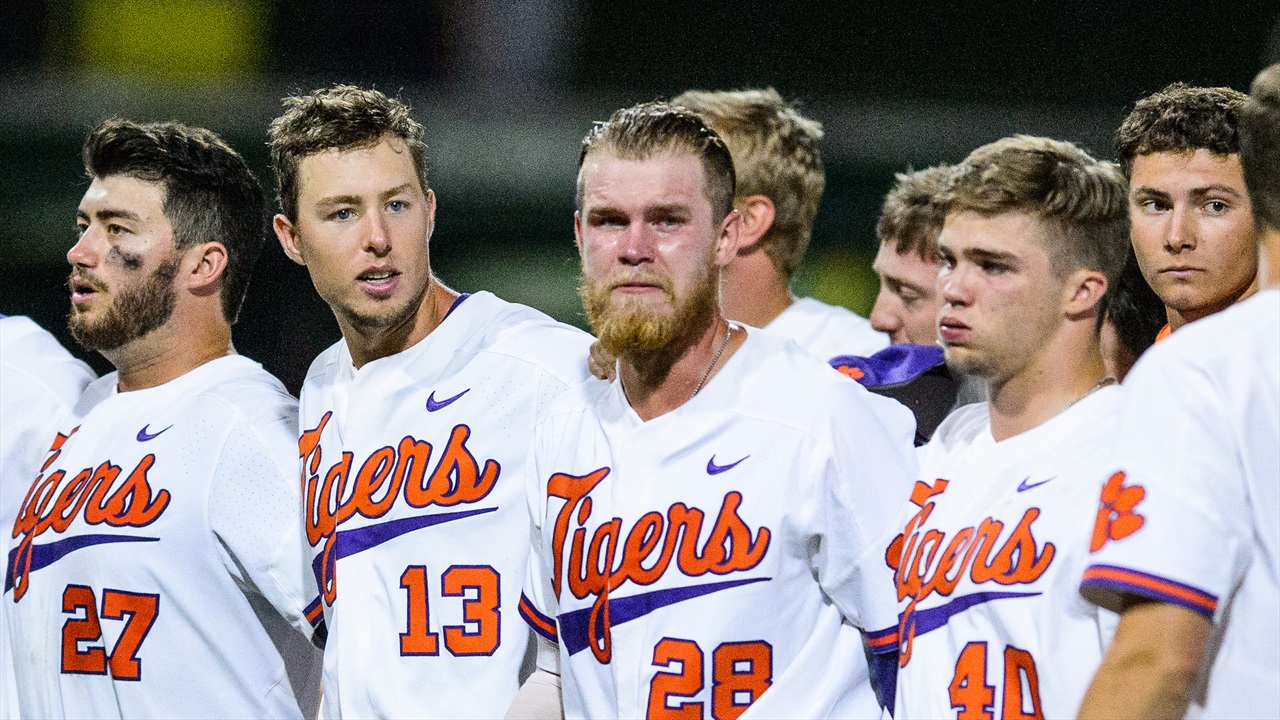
column 758, row 214
column 288, row 237
column 729, row 243
column 205, row 264
column 1083, row 292
column 577, row 230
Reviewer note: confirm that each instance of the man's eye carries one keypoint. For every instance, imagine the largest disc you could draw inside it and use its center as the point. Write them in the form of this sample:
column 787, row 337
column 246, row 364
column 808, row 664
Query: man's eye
column 343, row 214
column 113, row 229
column 1153, row 206
column 396, row 206
column 994, row 268
column 81, row 229
column 1215, row 207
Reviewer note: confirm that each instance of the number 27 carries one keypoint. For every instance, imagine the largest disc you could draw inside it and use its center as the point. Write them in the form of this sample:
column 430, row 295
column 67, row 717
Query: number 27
column 138, row 610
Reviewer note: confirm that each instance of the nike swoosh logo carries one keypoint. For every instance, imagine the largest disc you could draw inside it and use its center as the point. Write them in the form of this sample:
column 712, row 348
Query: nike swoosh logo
column 1024, row 485
column 42, row 556
column 357, row 540
column 144, row 436
column 926, row 621
column 434, row 405
column 574, row 624
column 714, row 469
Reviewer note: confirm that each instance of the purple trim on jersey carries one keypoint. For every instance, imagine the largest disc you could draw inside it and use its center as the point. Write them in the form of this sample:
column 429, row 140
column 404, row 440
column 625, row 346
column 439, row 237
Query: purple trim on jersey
column 893, row 365
column 43, row 556
column 926, row 621
column 573, row 624
column 314, row 612
column 541, row 624
column 357, row 540
column 455, row 305
column 1127, row 581
column 884, row 668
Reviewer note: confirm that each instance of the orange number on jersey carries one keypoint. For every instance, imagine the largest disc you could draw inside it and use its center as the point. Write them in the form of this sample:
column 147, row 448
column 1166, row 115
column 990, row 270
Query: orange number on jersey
column 141, row 609
column 92, row 660
column 970, row 693
column 481, row 610
column 1017, row 665
column 685, row 683
column 973, row 697
column 742, row 671
column 138, row 610
column 419, row 640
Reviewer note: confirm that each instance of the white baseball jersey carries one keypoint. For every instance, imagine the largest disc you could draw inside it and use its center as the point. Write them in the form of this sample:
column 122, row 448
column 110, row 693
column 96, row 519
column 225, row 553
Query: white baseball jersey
column 412, row 468
column 997, row 534
column 39, row 382
column 157, row 560
column 828, row 331
column 1190, row 513
column 718, row 560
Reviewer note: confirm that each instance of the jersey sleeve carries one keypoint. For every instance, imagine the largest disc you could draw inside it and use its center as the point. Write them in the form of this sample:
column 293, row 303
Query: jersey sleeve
column 1167, row 525
column 539, row 605
column 255, row 512
column 865, row 480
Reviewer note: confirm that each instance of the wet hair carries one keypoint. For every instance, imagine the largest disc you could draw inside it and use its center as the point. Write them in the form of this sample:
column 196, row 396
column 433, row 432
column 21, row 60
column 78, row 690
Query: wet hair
column 642, row 131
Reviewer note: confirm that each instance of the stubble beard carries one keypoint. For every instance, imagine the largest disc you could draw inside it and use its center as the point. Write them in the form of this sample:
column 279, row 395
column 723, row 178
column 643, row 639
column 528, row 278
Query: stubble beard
column 136, row 311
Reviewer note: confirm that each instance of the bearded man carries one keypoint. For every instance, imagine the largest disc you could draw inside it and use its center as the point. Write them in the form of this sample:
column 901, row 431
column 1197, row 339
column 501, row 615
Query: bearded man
column 706, row 525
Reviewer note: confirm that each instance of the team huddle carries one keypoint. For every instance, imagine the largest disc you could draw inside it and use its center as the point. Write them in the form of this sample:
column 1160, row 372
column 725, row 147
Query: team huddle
column 1041, row 480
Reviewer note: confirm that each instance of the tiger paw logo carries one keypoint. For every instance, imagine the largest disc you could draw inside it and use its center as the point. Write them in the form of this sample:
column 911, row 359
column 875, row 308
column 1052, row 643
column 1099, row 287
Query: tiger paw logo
column 1116, row 516
column 851, row 371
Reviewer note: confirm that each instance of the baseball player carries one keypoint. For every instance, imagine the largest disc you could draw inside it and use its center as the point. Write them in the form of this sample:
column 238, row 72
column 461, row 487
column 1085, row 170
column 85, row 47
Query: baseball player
column 1193, row 228
column 780, row 179
column 157, row 563
column 39, row 382
column 1187, row 535
column 414, row 427
column 707, row 525
column 995, row 536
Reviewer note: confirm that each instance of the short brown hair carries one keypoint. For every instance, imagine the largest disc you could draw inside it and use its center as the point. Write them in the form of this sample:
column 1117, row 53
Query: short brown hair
column 341, row 117
column 775, row 154
column 1082, row 198
column 210, row 193
column 913, row 211
column 1180, row 119
column 1260, row 146
column 642, row 131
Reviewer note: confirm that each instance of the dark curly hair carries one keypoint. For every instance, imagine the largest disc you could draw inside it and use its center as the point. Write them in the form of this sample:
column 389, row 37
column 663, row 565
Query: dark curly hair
column 1180, row 119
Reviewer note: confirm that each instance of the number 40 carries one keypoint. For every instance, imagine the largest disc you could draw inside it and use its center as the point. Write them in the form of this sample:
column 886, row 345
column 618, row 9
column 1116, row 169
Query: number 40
column 974, row 698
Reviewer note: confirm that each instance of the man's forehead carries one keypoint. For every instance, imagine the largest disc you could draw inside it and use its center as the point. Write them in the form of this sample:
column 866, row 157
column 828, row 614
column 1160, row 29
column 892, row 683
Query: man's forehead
column 126, row 191
column 347, row 171
column 1187, row 168
column 665, row 177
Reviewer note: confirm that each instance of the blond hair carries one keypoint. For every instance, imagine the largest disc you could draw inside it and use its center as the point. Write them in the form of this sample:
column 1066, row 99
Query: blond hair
column 775, row 154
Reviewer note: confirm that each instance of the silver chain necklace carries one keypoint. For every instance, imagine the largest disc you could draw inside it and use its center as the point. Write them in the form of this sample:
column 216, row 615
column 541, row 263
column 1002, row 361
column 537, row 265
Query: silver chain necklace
column 1108, row 380
column 728, row 331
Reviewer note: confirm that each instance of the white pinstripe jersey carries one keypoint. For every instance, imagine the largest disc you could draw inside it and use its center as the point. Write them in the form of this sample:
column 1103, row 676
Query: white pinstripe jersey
column 158, row 560
column 996, row 535
column 719, row 560
column 412, row 469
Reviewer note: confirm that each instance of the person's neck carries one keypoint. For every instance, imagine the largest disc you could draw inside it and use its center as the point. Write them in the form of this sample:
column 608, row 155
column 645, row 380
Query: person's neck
column 368, row 344
column 169, row 352
column 657, row 382
column 1269, row 258
column 752, row 291
column 1060, row 376
column 1179, row 318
